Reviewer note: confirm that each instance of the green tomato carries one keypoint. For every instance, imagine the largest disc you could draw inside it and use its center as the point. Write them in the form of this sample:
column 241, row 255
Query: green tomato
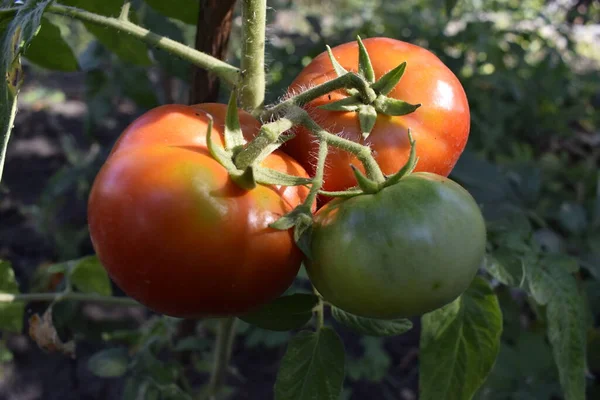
column 409, row 249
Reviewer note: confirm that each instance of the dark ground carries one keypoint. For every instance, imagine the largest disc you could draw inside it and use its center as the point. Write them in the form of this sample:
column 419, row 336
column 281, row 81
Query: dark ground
column 35, row 154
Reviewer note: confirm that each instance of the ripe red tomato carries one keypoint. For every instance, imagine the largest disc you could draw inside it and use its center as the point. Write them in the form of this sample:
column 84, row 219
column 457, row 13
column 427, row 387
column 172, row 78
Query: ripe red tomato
column 440, row 126
column 173, row 230
column 404, row 251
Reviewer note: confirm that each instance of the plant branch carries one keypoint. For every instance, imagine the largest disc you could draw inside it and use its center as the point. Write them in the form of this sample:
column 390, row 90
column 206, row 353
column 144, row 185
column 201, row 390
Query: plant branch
column 226, row 72
column 252, row 89
column 317, row 182
column 222, row 354
column 50, row 297
column 124, row 15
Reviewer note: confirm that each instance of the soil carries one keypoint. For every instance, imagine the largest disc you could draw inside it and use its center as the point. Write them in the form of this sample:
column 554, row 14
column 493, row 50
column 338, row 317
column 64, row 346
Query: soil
column 37, row 152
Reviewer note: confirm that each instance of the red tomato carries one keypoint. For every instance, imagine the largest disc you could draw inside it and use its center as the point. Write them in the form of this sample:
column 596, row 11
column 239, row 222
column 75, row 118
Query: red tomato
column 173, row 230
column 440, row 126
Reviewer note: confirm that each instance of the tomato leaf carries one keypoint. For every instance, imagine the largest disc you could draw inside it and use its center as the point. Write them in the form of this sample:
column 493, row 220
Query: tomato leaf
column 459, row 344
column 552, row 285
column 371, row 326
column 388, row 82
column 126, row 47
column 367, row 116
column 504, row 268
column 312, row 367
column 284, row 314
column 11, row 314
column 393, row 107
column 183, row 10
column 89, row 276
column 351, row 103
column 365, row 68
column 109, row 363
column 234, row 138
column 48, row 49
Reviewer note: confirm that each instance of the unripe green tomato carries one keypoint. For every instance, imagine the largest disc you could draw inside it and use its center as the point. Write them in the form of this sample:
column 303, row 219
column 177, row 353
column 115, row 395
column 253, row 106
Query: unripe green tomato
column 409, row 249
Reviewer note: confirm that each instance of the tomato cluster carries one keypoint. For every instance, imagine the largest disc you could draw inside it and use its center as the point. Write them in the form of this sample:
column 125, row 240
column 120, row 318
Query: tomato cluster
column 175, row 232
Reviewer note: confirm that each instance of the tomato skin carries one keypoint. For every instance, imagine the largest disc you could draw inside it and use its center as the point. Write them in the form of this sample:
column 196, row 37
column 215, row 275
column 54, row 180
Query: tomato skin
column 440, row 126
column 404, row 251
column 173, row 230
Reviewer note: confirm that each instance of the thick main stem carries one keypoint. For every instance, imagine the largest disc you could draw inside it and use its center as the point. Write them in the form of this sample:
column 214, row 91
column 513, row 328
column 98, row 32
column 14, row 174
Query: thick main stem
column 49, row 297
column 222, row 354
column 226, row 72
column 252, row 89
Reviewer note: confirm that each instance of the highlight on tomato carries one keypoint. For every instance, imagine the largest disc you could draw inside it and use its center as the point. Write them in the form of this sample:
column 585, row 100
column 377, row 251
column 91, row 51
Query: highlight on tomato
column 176, row 233
column 440, row 124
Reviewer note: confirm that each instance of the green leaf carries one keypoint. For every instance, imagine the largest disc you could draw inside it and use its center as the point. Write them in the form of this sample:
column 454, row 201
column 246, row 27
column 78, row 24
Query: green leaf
column 459, row 344
column 552, row 285
column 503, row 269
column 351, row 103
column 374, row 364
column 11, row 314
column 388, row 82
column 192, row 343
column 183, row 10
column 370, row 326
column 48, row 49
column 367, row 116
column 312, row 367
column 393, row 107
column 234, row 138
column 110, row 363
column 284, row 314
column 89, row 276
column 365, row 68
column 126, row 47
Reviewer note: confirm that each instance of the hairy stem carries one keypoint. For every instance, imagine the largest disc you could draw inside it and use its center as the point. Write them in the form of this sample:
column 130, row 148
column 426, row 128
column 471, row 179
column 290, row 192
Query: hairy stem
column 252, row 89
column 50, row 297
column 317, row 181
column 226, row 72
column 222, row 354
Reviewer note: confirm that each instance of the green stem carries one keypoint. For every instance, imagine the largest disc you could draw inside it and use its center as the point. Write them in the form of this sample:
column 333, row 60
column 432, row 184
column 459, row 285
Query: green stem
column 252, row 87
column 50, row 297
column 363, row 153
column 349, row 80
column 317, row 181
column 124, row 15
column 320, row 309
column 269, row 134
column 226, row 72
column 222, row 354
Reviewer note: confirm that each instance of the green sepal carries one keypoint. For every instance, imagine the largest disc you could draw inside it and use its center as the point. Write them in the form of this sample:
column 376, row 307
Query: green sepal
column 303, row 234
column 351, row 103
column 339, row 70
column 388, row 82
column 244, row 179
column 344, row 194
column 393, row 107
column 367, row 185
column 290, row 219
column 410, row 165
column 367, row 116
column 365, row 68
column 234, row 138
column 268, row 176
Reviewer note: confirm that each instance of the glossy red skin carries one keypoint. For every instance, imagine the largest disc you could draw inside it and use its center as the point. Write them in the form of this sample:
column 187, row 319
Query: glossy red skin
column 176, row 234
column 440, row 126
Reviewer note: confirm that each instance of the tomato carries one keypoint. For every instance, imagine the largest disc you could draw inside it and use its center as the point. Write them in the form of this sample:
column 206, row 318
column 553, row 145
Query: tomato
column 404, row 251
column 440, row 126
column 173, row 230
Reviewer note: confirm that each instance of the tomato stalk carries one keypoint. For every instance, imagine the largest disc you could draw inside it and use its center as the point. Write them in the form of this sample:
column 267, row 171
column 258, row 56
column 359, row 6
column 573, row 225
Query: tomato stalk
column 124, row 15
column 65, row 296
column 252, row 85
column 223, row 348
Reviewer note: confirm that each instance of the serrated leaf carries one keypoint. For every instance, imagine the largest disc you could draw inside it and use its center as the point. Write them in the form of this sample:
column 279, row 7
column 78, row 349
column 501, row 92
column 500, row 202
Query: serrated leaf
column 126, row 47
column 365, row 68
column 11, row 314
column 283, row 314
column 183, row 10
column 370, row 326
column 48, row 49
column 389, row 80
column 268, row 176
column 459, row 344
column 500, row 270
column 109, row 363
column 312, row 367
column 348, row 104
column 552, row 285
column 394, row 107
column 89, row 276
column 367, row 116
